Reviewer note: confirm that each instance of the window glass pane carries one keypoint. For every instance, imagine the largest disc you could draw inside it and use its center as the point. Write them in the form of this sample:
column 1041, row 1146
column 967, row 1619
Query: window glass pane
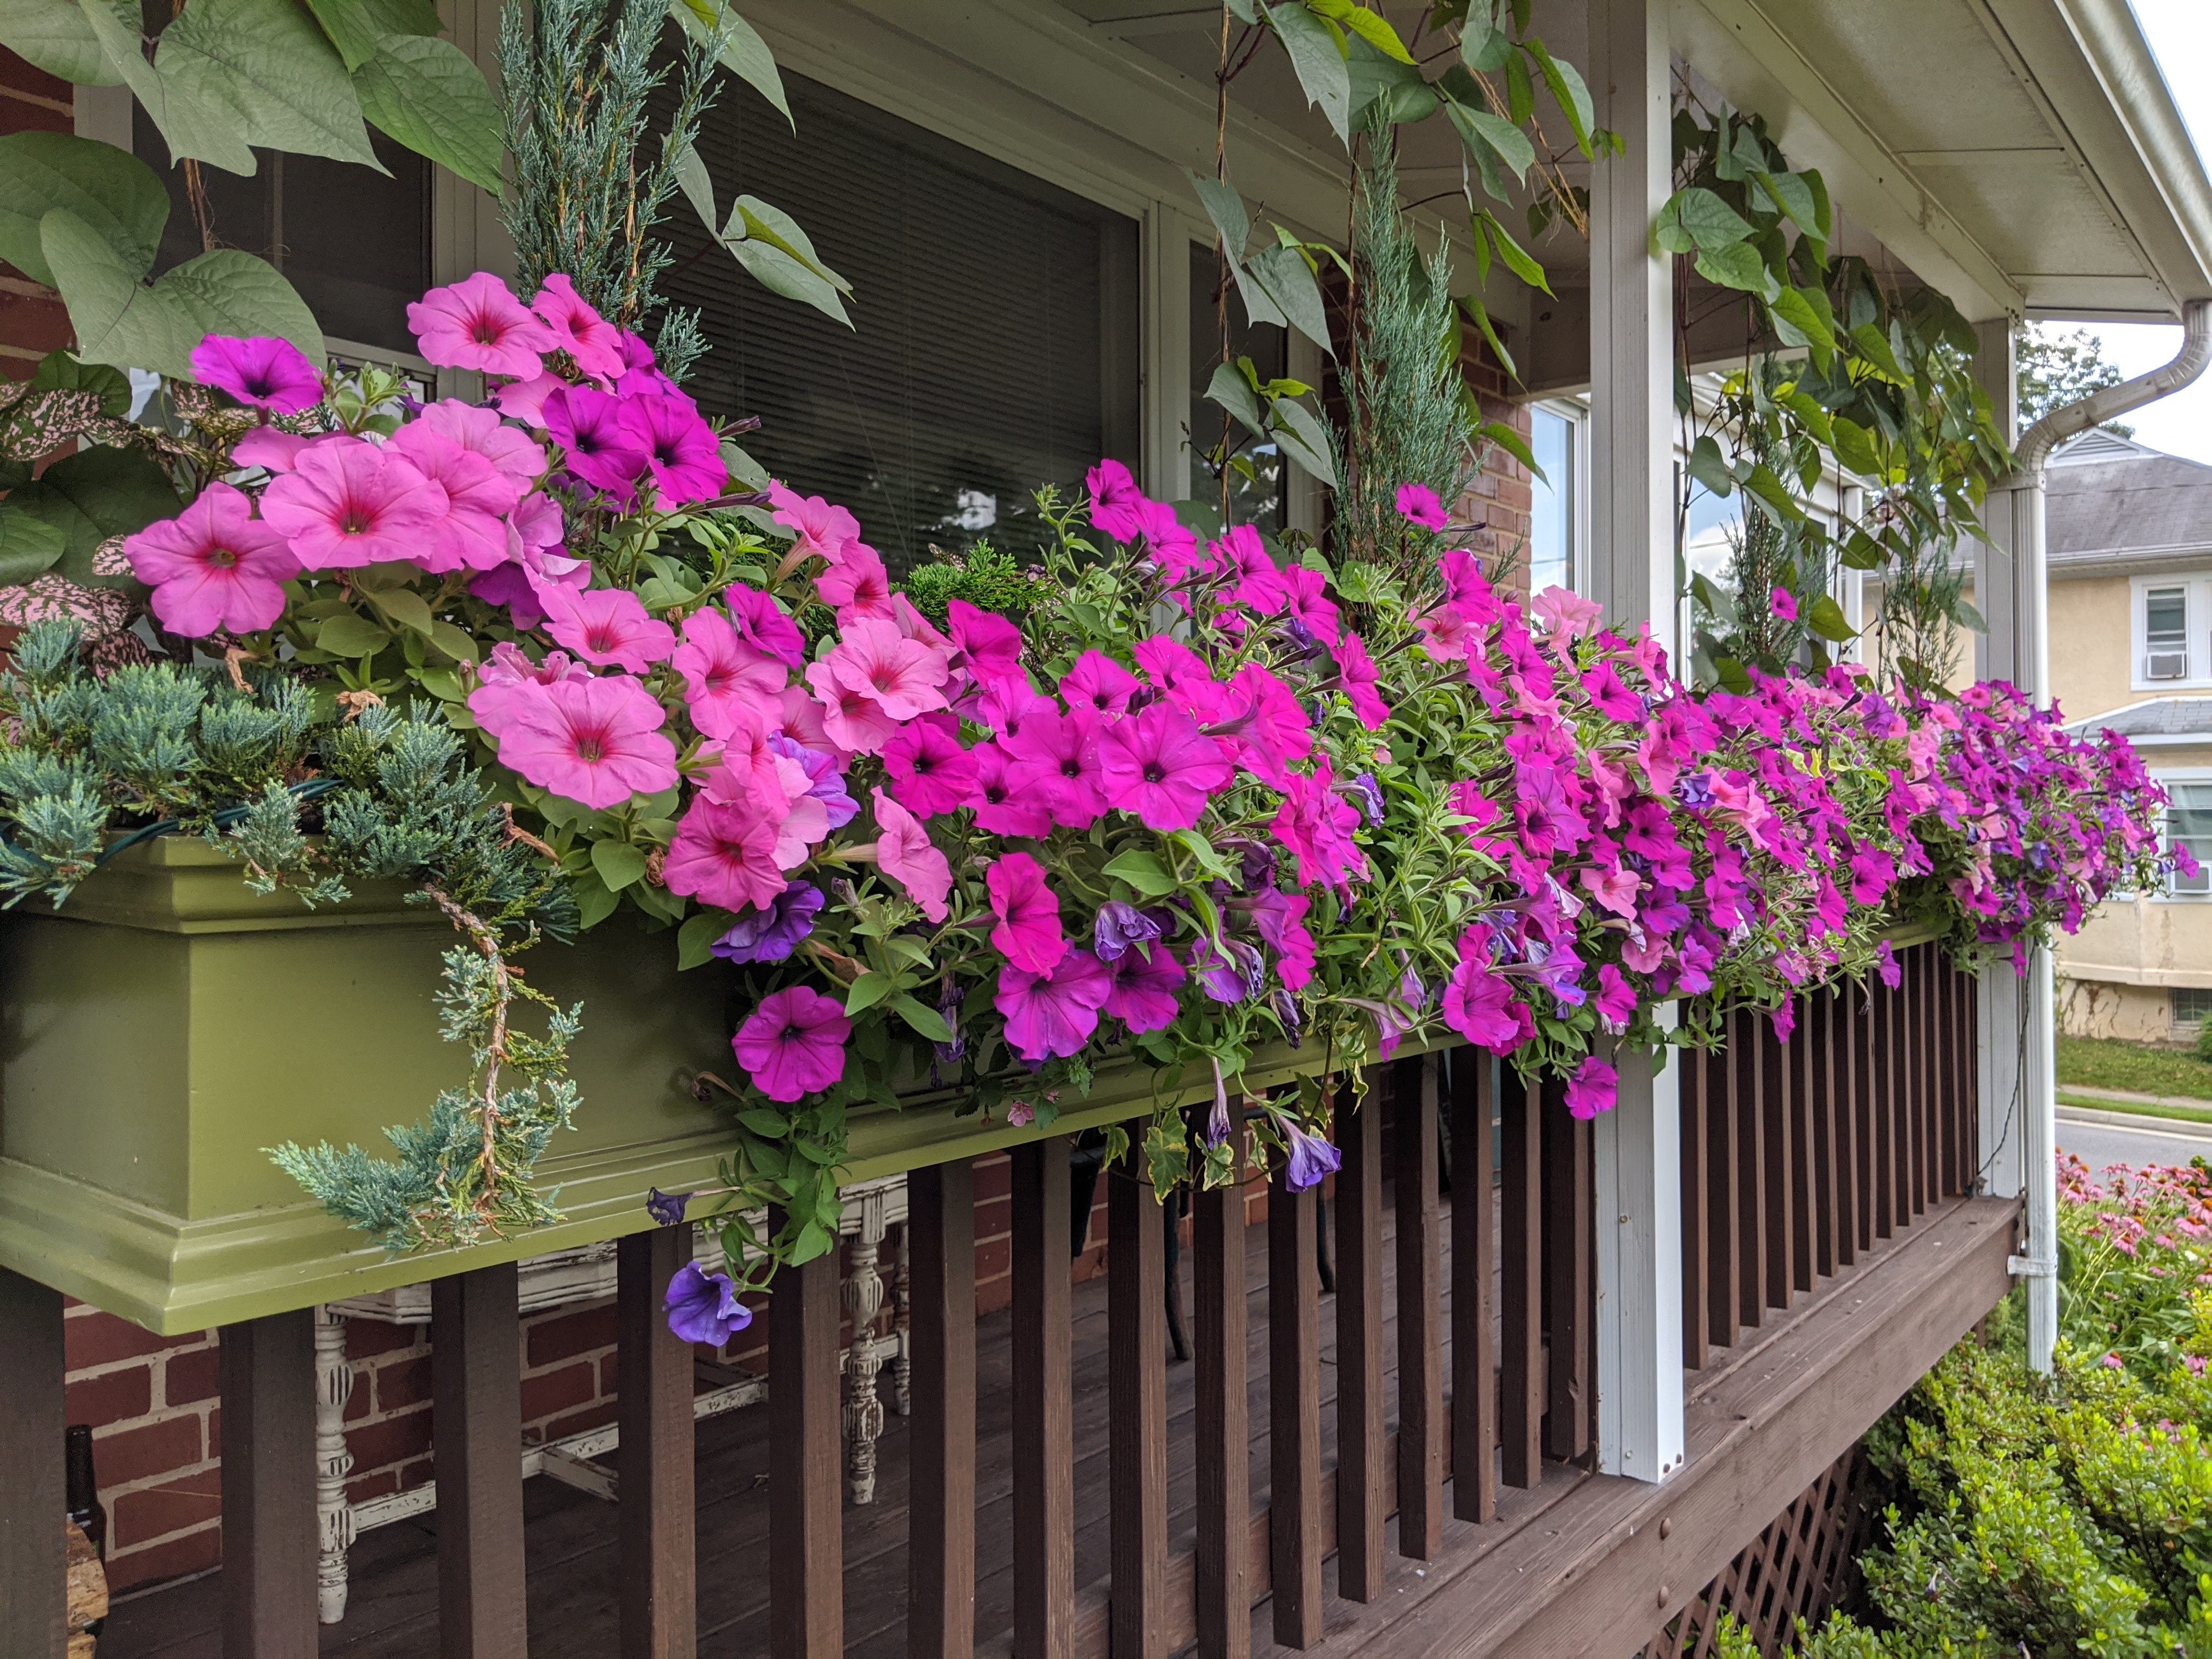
column 995, row 343
column 1257, row 488
column 2188, row 823
column 1552, row 505
column 2166, row 618
column 2190, row 1006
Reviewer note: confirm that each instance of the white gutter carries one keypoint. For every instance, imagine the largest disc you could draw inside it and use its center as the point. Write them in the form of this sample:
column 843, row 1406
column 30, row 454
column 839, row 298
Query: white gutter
column 2039, row 1102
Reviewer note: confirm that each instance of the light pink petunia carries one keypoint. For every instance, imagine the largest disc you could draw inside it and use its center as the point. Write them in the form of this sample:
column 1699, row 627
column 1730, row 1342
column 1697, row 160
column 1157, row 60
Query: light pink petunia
column 906, row 854
column 525, row 400
column 723, row 675
column 482, row 430
column 854, row 720
column 857, row 585
column 1052, row 1014
column 608, row 626
column 213, row 567
column 477, row 323
column 724, row 855
column 1158, row 765
column 1566, row 613
column 827, row 531
column 347, row 503
column 597, row 742
column 478, row 497
column 903, row 677
column 1028, row 932
column 592, row 343
column 503, row 674
column 267, row 372
column 793, row 1044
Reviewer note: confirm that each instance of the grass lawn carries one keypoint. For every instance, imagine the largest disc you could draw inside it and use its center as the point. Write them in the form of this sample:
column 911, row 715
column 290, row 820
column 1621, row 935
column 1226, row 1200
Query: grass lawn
column 2106, row 1063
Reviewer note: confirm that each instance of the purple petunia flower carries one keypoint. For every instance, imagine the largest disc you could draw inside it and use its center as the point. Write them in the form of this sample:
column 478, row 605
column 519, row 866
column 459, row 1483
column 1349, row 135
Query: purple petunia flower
column 1119, row 926
column 1311, row 1157
column 771, row 934
column 666, row 1208
column 703, row 1307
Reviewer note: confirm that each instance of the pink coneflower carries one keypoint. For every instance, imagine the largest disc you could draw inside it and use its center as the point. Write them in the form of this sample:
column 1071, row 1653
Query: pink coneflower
column 1115, row 500
column 1052, row 1015
column 1147, row 982
column 680, row 449
column 597, row 742
column 991, row 647
column 1418, row 504
column 348, row 503
column 478, row 498
column 906, row 854
column 903, row 677
column 820, row 528
column 930, row 772
column 596, row 445
column 1358, row 675
column 1027, row 934
column 268, row 374
column 724, row 855
column 857, row 585
column 1307, row 602
column 724, row 677
column 1260, row 586
column 762, row 624
column 1001, row 808
column 608, row 627
column 1056, row 756
column 592, row 343
column 853, row 720
column 1098, row 683
column 793, row 1045
column 477, row 323
column 482, row 430
column 1158, row 764
column 213, row 566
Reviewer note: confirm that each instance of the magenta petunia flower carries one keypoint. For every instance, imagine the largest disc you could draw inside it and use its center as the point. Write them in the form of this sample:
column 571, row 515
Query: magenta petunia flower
column 762, row 623
column 347, row 503
column 213, row 566
column 1052, row 1015
column 608, row 627
column 477, row 323
column 819, row 527
column 1000, row 808
column 853, row 720
column 1057, row 756
column 1098, row 683
column 724, row 677
column 930, row 772
column 724, row 855
column 1027, row 934
column 1310, row 604
column 595, row 741
column 857, row 585
column 1784, row 603
column 1592, row 1089
column 1115, row 500
column 991, row 647
column 1158, row 764
column 1418, row 504
column 906, row 854
column 903, row 677
column 681, row 450
column 270, row 373
column 1260, row 586
column 592, row 343
column 1358, row 675
column 595, row 443
column 1148, row 980
column 1480, row 1004
column 793, row 1045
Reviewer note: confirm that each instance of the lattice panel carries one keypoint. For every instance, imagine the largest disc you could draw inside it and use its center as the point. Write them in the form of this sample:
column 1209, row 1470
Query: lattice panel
column 1803, row 1565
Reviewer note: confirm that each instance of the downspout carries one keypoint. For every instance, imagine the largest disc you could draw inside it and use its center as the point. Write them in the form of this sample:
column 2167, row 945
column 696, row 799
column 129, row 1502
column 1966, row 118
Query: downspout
column 2040, row 1108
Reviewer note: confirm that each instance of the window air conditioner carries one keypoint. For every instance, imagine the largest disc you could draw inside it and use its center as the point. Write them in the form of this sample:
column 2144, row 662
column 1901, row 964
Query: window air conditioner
column 2168, row 666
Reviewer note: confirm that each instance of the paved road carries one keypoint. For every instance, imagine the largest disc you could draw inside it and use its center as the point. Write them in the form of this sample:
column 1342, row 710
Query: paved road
column 2150, row 1140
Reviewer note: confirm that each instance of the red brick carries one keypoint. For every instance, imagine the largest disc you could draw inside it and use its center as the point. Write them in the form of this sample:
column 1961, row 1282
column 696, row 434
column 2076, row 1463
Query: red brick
column 35, row 324
column 101, row 1338
column 140, row 1454
column 994, row 1295
column 362, row 1400
column 361, row 1488
column 564, row 1338
column 112, row 1396
column 995, row 1259
column 190, row 1500
column 390, row 1440
column 594, row 1416
column 196, row 1552
column 413, row 1473
column 18, row 76
column 558, row 1391
column 407, row 1383
column 367, row 1338
column 189, row 1378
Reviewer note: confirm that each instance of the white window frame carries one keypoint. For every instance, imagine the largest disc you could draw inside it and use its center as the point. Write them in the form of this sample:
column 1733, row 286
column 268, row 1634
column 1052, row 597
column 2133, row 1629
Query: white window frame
column 1575, row 411
column 2167, row 892
column 2197, row 587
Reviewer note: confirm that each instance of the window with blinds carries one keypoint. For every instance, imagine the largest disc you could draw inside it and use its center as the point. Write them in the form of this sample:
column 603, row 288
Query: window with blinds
column 2188, row 823
column 995, row 339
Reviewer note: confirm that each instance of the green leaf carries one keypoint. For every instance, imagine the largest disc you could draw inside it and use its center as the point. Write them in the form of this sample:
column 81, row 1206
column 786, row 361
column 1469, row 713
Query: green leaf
column 55, row 36
column 29, row 546
column 740, row 48
column 192, row 127
column 695, row 939
column 1964, row 614
column 618, row 864
column 1317, row 62
column 267, row 66
column 1369, row 26
column 1232, row 392
column 1568, row 91
column 93, row 495
column 1874, row 346
column 58, row 371
column 404, row 606
column 1520, row 91
column 355, row 26
column 769, row 1125
column 1299, row 434
column 1740, row 267
column 1516, row 257
column 1854, row 447
column 1793, row 196
column 1480, row 318
column 768, row 243
column 348, row 635
column 868, row 990
column 1826, row 618
column 120, row 320
column 1762, row 486
column 1225, row 208
column 1815, row 418
column 1696, row 218
column 1709, row 469
column 1504, row 140
column 425, row 93
column 924, row 1018
column 454, row 642
column 1861, row 552
column 1144, row 872
column 1484, row 49
column 1794, row 314
column 1288, row 282
column 1498, row 433
column 110, row 189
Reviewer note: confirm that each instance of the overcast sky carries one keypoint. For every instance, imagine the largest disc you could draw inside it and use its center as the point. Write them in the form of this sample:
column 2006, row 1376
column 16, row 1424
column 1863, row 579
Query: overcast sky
column 2180, row 33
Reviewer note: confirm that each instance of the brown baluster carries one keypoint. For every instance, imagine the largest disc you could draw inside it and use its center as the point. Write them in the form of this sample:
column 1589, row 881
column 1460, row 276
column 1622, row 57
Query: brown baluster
column 1222, row 1424
column 1294, row 1513
column 1845, row 1035
column 1781, row 1214
column 940, row 1619
column 1916, row 1075
column 1881, row 1002
column 1820, row 1113
column 1362, row 1497
column 1723, row 1191
column 1474, row 1259
column 1797, row 1070
column 1696, row 1222
column 1520, row 1285
column 659, row 1550
column 1044, row 1433
column 1747, row 1043
column 1569, row 1283
column 805, row 1476
column 475, row 1430
column 1420, row 1312
column 1137, row 1389
column 34, row 1554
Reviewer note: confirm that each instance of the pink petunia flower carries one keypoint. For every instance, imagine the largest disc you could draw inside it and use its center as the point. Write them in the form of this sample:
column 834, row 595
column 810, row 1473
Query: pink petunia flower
column 1260, row 586
column 1784, row 603
column 1158, row 765
column 903, row 677
column 504, row 672
column 270, row 373
column 761, row 622
column 1310, row 604
column 597, row 742
column 592, row 343
column 1051, row 1014
column 681, row 450
column 1057, row 756
column 1000, row 808
column 347, row 503
column 477, row 323
column 857, row 585
column 793, row 1045
column 906, row 854
column 930, row 772
column 723, row 675
column 266, row 447
column 821, row 529
column 510, row 452
column 1358, row 675
column 1027, row 934
column 853, row 720
column 1146, row 989
column 1565, row 613
column 608, row 626
column 724, row 855
column 596, row 445
column 1098, row 683
column 478, row 497
column 1115, row 500
column 213, row 566
column 991, row 647
column 525, row 400
column 1592, row 1089
column 1418, row 504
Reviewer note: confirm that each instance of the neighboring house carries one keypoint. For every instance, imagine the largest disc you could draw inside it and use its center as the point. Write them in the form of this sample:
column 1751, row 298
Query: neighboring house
column 2130, row 563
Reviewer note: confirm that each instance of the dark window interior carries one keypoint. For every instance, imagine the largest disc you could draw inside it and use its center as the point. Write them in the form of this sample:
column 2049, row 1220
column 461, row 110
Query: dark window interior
column 1260, row 500
column 994, row 345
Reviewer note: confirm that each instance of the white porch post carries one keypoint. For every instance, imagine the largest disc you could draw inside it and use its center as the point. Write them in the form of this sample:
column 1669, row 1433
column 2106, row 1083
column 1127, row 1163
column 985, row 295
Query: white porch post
column 1638, row 1145
column 1165, row 322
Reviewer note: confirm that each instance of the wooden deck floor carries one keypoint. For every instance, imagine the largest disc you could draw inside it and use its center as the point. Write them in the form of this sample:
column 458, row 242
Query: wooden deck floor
column 393, row 1613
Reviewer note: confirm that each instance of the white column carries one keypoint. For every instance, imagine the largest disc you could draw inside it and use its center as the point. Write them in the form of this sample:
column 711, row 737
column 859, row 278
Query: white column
column 1632, row 575
column 1166, row 325
column 334, row 1518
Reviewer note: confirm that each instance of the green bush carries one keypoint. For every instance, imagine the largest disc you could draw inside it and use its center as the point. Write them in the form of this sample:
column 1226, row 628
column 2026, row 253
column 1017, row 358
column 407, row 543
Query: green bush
column 987, row 577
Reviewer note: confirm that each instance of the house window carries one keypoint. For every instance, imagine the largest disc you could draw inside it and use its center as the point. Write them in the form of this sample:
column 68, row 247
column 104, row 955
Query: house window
column 2166, row 634
column 1555, row 509
column 2188, row 823
column 1258, row 482
column 2190, row 1009
column 995, row 343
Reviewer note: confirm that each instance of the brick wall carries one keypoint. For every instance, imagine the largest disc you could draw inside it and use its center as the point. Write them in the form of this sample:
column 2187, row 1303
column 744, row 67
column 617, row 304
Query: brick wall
column 1498, row 502
column 32, row 320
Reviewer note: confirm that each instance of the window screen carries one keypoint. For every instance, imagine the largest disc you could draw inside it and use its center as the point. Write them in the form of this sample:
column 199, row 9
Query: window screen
column 1258, row 490
column 355, row 243
column 2166, row 633
column 2188, row 823
column 1552, row 506
column 2190, row 1008
column 994, row 346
